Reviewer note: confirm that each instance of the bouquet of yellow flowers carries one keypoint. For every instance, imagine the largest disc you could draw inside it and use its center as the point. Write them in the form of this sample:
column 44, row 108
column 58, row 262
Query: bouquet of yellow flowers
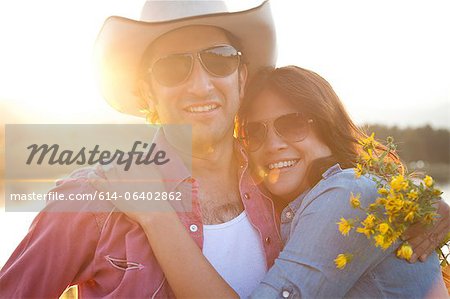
column 403, row 200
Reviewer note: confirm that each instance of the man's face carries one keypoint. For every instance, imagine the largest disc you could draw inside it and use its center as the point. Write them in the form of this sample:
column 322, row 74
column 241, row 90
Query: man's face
column 206, row 102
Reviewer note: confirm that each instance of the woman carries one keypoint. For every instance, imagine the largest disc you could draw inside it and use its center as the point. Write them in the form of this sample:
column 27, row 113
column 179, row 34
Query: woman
column 302, row 147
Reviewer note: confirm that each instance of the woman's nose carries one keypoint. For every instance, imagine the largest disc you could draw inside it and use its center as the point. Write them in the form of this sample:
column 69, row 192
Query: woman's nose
column 274, row 142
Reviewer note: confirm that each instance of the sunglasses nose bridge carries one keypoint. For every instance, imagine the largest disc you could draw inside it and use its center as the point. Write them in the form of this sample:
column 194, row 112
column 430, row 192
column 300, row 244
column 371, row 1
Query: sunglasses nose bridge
column 199, row 79
column 273, row 139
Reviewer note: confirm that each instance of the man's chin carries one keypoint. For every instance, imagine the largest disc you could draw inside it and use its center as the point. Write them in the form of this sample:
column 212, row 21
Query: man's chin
column 207, row 140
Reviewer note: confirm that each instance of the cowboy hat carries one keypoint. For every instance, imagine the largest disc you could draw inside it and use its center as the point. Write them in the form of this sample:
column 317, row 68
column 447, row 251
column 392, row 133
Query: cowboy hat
column 122, row 42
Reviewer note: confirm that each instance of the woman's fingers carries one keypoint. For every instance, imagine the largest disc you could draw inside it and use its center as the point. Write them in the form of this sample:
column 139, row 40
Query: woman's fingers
column 136, row 191
column 98, row 182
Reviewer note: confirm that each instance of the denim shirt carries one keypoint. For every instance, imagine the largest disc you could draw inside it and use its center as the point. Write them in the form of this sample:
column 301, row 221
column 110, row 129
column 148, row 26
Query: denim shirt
column 305, row 268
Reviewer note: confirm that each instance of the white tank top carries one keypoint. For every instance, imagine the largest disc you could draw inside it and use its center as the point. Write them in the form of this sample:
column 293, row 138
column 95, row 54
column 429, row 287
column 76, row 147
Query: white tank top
column 235, row 250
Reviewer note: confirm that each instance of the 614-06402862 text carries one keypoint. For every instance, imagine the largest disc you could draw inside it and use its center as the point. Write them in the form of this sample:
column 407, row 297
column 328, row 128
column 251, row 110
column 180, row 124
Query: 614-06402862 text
column 56, row 196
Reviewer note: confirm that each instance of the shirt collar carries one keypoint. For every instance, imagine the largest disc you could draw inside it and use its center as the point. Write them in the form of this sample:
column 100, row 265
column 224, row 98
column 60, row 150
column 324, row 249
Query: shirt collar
column 241, row 154
column 336, row 168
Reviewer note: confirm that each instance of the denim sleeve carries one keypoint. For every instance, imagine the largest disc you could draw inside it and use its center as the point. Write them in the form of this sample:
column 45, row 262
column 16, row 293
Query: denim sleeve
column 305, row 267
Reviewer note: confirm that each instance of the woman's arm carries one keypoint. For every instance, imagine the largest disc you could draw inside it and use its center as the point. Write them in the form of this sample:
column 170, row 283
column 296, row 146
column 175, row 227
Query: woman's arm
column 187, row 270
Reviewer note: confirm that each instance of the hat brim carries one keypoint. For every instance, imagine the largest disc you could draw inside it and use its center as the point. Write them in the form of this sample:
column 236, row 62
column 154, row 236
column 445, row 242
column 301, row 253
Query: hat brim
column 122, row 42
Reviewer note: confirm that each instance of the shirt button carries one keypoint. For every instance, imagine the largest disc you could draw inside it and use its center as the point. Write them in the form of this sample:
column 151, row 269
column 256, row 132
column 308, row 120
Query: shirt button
column 285, row 294
column 267, row 240
column 193, row 228
column 246, row 196
column 289, row 215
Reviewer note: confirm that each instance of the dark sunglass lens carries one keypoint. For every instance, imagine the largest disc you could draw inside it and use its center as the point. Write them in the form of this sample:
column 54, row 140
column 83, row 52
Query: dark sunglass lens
column 254, row 135
column 172, row 70
column 292, row 127
column 220, row 61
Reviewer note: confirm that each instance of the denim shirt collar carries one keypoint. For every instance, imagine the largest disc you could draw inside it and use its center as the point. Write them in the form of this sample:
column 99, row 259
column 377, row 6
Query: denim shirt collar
column 336, row 168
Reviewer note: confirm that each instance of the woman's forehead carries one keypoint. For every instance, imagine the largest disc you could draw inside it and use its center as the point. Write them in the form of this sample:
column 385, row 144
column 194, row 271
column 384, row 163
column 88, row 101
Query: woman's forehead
column 269, row 104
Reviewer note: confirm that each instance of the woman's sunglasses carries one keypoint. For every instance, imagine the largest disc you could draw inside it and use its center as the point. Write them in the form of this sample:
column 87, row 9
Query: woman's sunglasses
column 291, row 127
column 218, row 61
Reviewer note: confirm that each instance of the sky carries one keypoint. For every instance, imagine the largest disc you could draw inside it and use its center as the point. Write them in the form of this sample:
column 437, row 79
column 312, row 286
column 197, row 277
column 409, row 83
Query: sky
column 388, row 61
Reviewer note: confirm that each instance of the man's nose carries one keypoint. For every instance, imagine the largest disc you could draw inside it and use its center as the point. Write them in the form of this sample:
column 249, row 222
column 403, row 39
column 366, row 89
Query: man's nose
column 199, row 81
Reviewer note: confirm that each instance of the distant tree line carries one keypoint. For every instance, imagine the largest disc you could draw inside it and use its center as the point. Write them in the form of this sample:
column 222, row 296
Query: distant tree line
column 413, row 144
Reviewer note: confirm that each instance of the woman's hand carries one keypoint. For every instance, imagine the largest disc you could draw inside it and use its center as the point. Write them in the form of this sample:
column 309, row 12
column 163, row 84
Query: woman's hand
column 133, row 192
column 424, row 240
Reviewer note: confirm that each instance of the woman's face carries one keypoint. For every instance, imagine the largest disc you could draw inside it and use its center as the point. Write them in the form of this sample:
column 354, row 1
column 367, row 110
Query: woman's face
column 283, row 163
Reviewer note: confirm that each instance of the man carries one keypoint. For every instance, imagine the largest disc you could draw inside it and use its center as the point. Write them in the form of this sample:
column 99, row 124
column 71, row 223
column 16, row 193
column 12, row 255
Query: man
column 106, row 254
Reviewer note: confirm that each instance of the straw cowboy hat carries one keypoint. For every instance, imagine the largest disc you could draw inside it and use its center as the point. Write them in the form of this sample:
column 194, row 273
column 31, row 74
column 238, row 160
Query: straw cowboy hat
column 122, row 42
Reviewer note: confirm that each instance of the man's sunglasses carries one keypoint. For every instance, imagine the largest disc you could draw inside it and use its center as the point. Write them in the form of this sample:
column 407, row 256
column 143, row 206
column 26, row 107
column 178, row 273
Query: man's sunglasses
column 291, row 127
column 174, row 69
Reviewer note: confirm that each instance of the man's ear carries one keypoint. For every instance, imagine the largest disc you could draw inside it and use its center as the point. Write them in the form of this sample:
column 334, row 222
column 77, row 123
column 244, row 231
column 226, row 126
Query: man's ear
column 145, row 91
column 150, row 102
column 243, row 73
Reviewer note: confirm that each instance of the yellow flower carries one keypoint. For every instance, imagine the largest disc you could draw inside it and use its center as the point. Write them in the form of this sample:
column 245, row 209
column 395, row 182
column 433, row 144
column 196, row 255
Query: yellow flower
column 394, row 204
column 380, row 201
column 382, row 241
column 369, row 221
column 401, row 200
column 358, row 170
column 379, row 240
column 354, row 200
column 428, row 181
column 429, row 217
column 387, row 244
column 372, row 207
column 367, row 157
column 410, row 208
column 366, row 231
column 383, row 191
column 413, row 194
column 368, row 142
column 405, row 251
column 399, row 183
column 395, row 235
column 345, row 226
column 383, row 228
column 437, row 192
column 342, row 260
column 410, row 216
